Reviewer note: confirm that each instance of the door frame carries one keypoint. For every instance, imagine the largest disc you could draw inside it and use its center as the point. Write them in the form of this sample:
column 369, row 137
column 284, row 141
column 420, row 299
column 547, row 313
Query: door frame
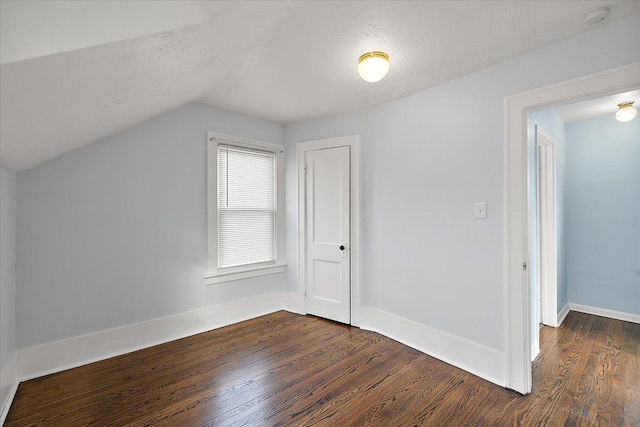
column 549, row 263
column 517, row 316
column 353, row 142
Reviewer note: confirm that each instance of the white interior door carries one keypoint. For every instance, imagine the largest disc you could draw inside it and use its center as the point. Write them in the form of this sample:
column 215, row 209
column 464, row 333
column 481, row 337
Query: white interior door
column 327, row 213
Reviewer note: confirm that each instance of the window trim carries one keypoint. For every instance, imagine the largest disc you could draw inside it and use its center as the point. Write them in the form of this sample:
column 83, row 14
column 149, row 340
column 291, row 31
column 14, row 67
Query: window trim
column 214, row 274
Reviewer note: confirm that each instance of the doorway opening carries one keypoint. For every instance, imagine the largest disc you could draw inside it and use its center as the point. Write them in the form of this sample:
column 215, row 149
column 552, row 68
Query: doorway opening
column 591, row 266
column 518, row 307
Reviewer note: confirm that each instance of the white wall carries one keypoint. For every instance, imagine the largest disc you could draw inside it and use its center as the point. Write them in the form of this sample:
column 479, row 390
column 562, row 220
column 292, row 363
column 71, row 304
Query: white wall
column 115, row 233
column 7, row 281
column 426, row 159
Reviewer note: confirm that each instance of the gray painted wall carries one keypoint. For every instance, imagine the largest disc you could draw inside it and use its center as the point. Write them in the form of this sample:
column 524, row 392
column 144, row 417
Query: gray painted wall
column 7, row 266
column 426, row 159
column 115, row 233
column 603, row 237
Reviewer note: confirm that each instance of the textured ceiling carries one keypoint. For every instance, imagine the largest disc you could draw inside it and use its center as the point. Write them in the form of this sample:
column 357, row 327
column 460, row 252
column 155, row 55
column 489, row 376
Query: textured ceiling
column 73, row 72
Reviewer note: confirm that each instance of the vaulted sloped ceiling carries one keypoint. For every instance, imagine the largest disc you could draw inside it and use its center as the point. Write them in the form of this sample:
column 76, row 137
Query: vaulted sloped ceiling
column 73, row 72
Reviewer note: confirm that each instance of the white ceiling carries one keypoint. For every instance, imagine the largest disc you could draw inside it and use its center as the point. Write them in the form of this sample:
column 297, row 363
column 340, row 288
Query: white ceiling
column 593, row 108
column 72, row 72
column 37, row 28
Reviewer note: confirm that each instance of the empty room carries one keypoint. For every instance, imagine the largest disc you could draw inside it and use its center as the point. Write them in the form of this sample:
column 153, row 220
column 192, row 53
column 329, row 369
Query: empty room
column 319, row 213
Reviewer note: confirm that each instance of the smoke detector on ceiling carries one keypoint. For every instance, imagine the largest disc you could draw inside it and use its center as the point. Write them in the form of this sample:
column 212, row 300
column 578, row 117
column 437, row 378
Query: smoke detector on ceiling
column 597, row 16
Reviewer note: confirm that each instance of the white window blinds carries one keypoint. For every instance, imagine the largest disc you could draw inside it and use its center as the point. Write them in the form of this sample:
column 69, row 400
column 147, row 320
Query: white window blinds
column 246, row 208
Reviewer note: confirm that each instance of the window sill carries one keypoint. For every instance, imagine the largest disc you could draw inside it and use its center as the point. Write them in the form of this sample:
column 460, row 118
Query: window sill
column 228, row 276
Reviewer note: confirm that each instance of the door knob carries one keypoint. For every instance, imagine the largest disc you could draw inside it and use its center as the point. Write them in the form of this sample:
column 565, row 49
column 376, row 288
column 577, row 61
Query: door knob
column 342, row 247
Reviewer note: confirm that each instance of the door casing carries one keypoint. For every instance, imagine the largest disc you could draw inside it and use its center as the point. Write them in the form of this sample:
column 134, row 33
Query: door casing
column 353, row 142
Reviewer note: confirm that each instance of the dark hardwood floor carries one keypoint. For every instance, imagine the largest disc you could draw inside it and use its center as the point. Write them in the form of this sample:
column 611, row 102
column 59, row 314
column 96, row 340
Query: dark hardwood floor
column 285, row 369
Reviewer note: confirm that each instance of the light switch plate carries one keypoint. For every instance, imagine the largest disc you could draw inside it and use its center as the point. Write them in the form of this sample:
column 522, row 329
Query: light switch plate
column 480, row 210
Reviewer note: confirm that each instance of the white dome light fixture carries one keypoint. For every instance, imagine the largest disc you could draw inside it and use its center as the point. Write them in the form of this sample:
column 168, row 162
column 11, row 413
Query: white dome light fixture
column 373, row 66
column 626, row 112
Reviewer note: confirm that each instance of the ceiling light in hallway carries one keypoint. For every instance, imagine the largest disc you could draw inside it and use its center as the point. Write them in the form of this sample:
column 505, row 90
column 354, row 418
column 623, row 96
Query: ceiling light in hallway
column 625, row 112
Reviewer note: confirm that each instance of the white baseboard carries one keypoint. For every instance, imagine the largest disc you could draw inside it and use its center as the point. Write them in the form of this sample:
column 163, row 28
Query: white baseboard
column 69, row 353
column 8, row 385
column 472, row 357
column 619, row 315
column 563, row 314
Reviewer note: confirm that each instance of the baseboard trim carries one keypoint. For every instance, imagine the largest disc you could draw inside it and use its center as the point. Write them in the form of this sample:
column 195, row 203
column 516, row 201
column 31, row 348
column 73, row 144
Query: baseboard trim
column 472, row 357
column 45, row 359
column 70, row 353
column 619, row 315
column 8, row 386
column 563, row 314
column 8, row 402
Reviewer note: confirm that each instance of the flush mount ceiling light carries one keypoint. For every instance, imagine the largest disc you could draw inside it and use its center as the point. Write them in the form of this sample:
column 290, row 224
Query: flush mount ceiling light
column 625, row 112
column 373, row 66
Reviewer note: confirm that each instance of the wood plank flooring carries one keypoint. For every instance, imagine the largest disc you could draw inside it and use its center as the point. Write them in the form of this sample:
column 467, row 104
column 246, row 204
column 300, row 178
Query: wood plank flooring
column 289, row 370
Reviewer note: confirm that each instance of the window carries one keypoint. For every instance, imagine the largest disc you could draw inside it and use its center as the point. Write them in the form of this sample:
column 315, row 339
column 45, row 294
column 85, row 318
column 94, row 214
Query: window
column 245, row 208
